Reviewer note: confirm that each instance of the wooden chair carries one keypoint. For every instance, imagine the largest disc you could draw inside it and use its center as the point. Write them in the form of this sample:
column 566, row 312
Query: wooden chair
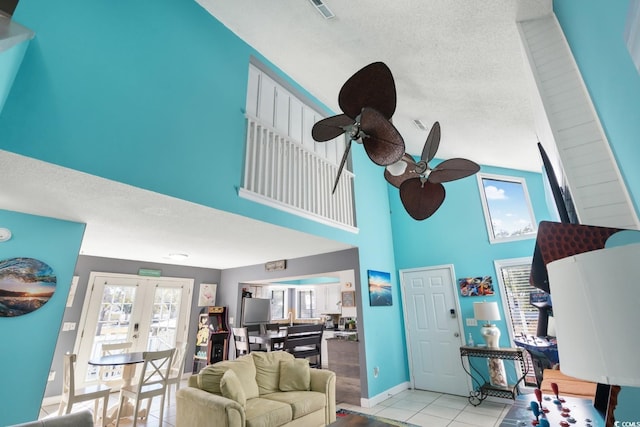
column 304, row 341
column 152, row 382
column 112, row 375
column 274, row 327
column 177, row 368
column 241, row 341
column 71, row 396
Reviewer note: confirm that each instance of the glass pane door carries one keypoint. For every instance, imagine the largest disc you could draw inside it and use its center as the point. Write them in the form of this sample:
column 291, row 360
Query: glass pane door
column 149, row 313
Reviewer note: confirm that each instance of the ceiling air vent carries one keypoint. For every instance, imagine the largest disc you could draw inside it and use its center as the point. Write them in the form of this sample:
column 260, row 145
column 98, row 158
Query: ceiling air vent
column 420, row 124
column 322, row 8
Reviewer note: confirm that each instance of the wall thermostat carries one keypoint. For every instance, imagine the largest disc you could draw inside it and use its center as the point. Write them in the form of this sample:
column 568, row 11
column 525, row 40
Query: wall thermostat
column 5, row 234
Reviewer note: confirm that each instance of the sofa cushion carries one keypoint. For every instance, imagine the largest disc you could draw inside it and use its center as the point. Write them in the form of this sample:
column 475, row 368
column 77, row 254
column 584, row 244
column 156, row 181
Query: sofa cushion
column 301, row 402
column 268, row 369
column 261, row 412
column 210, row 376
column 232, row 388
column 295, row 375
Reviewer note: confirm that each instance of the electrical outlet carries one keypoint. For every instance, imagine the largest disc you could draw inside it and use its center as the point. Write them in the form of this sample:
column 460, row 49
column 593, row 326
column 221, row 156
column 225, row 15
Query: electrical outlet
column 52, row 376
column 376, row 372
column 472, row 322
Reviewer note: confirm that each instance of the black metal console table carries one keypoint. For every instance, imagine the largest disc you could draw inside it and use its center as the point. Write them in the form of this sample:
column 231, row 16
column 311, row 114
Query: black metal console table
column 482, row 387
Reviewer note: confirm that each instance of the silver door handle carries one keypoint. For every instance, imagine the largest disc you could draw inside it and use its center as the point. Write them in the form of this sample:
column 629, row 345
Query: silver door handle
column 456, row 334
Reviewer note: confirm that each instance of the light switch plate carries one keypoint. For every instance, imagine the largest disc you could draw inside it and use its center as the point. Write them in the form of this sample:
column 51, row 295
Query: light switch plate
column 472, row 322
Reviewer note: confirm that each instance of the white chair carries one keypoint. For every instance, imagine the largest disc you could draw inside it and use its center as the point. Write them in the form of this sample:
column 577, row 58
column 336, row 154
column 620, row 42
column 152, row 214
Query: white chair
column 71, row 396
column 112, row 375
column 177, row 368
column 152, row 382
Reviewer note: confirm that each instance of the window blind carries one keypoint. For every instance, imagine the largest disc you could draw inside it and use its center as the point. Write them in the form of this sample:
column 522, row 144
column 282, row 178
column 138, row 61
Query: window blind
column 524, row 316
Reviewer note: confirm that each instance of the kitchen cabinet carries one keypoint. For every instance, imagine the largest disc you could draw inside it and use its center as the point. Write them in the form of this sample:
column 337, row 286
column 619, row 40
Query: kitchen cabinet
column 328, row 298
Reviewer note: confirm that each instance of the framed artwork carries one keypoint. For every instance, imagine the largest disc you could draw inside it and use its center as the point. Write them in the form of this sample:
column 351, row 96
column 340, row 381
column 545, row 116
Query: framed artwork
column 207, row 295
column 349, row 298
column 379, row 288
column 476, row 286
column 26, row 284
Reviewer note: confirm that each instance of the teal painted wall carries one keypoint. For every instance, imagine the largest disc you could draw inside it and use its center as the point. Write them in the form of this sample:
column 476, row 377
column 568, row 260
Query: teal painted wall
column 154, row 98
column 456, row 234
column 384, row 331
column 28, row 341
column 10, row 61
column 594, row 30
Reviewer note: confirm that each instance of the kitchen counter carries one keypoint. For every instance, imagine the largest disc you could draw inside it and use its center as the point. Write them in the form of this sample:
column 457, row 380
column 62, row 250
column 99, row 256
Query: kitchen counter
column 344, row 360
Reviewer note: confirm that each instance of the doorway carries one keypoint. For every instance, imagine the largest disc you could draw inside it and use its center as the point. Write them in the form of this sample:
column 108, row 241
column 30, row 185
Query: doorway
column 432, row 328
column 150, row 312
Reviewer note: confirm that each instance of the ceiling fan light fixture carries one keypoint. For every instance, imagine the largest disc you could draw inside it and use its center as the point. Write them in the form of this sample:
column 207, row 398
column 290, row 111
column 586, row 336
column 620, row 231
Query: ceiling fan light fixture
column 322, row 9
column 397, row 168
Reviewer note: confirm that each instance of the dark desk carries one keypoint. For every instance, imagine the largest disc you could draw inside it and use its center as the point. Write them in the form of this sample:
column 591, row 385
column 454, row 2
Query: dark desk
column 580, row 409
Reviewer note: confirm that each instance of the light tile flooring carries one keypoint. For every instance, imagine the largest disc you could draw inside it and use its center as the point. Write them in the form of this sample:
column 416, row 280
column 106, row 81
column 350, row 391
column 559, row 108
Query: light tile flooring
column 423, row 408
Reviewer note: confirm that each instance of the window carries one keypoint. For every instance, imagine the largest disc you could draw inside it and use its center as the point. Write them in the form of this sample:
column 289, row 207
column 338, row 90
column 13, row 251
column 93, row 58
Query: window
column 507, row 208
column 522, row 317
column 306, row 304
column 278, row 304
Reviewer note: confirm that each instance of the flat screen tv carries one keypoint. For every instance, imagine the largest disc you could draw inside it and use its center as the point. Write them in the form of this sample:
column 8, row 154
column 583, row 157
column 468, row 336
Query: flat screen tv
column 256, row 311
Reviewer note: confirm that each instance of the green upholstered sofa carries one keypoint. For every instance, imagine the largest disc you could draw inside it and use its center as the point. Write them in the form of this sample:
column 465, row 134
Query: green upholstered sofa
column 266, row 389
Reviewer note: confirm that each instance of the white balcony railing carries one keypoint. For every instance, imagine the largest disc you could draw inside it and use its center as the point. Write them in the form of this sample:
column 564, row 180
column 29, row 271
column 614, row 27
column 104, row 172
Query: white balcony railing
column 280, row 172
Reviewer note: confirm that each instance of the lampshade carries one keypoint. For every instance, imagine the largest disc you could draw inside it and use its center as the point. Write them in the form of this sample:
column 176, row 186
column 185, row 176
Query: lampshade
column 596, row 298
column 486, row 311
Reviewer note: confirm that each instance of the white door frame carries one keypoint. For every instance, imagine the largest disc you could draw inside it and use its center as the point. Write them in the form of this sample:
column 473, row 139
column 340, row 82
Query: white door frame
column 404, row 314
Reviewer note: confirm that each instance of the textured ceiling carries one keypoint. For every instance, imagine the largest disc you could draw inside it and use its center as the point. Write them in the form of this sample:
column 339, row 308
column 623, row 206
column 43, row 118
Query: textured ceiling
column 457, row 62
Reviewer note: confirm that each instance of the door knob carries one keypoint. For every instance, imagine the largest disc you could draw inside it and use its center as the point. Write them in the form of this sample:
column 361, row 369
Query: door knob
column 456, row 334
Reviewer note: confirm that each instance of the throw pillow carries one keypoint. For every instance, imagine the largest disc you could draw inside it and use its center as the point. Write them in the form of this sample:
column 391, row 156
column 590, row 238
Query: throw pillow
column 295, row 375
column 209, row 378
column 232, row 388
column 268, row 369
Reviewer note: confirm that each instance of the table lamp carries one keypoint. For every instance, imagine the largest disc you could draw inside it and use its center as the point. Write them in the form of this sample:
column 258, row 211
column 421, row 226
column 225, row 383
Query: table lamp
column 488, row 311
column 595, row 305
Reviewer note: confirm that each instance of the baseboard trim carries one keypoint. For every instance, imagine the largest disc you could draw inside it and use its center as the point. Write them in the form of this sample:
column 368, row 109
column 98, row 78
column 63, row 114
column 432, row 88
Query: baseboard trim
column 373, row 401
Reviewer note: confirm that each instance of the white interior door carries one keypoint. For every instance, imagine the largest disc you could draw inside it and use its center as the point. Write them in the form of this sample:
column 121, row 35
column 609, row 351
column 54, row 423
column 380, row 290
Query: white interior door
column 150, row 312
column 432, row 329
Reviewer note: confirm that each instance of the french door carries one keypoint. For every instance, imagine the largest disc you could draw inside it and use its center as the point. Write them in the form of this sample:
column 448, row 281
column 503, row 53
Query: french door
column 150, row 312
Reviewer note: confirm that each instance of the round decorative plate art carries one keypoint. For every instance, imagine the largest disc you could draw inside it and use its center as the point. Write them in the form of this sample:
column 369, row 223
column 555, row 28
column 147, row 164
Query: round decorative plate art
column 26, row 284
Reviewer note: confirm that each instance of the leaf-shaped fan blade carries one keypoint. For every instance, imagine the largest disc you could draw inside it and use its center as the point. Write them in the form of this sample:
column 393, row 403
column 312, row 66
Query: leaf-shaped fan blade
column 421, row 201
column 344, row 159
column 453, row 169
column 372, row 86
column 384, row 144
column 432, row 143
column 397, row 180
column 331, row 127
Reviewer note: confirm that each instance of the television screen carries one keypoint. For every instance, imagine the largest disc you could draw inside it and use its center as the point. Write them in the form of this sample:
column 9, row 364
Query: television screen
column 256, row 311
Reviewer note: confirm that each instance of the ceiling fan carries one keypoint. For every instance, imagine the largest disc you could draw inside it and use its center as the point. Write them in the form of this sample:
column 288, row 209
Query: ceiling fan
column 368, row 100
column 421, row 189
